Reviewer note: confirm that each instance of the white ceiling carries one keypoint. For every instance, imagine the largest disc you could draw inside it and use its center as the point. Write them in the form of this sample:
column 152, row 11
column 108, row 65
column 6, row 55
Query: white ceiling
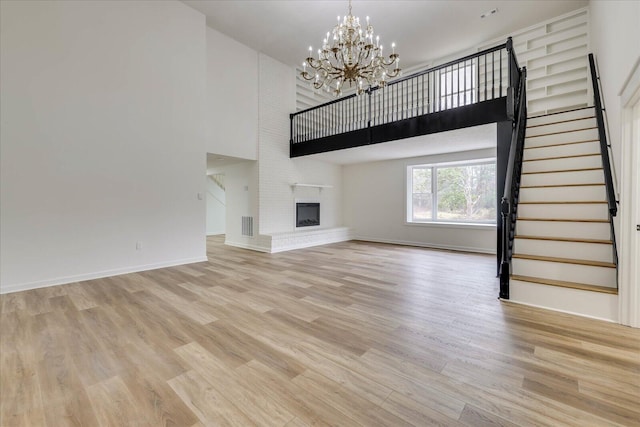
column 422, row 30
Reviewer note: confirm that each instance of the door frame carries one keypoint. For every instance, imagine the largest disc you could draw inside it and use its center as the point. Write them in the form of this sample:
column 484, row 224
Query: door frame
column 629, row 268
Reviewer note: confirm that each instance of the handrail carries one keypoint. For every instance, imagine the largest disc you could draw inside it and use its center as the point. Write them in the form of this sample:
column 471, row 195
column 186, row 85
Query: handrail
column 607, row 164
column 604, row 146
column 483, row 76
column 410, row 76
column 509, row 203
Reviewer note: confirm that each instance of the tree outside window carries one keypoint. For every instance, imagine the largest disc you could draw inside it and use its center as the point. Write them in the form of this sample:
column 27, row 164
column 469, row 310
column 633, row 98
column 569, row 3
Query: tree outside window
column 460, row 193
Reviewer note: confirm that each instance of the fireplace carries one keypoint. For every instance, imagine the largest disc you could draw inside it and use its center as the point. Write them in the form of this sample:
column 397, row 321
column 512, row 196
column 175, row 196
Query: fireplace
column 307, row 214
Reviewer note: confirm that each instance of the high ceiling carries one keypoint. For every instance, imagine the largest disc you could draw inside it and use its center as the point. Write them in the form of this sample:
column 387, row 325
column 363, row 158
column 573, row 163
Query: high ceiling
column 422, row 30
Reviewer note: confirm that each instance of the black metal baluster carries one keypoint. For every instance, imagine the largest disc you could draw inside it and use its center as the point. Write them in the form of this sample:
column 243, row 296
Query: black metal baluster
column 485, row 77
column 493, row 74
column 422, row 109
column 500, row 73
column 446, row 89
column 429, row 103
column 352, row 120
column 465, row 83
column 414, row 94
column 405, row 100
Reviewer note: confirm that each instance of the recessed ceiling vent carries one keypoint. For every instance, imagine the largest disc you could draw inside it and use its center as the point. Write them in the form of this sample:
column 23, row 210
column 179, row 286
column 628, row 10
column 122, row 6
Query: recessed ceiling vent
column 489, row 13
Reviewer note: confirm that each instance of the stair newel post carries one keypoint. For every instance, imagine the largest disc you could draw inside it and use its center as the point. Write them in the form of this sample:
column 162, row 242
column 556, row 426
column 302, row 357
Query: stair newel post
column 291, row 136
column 504, row 267
column 511, row 88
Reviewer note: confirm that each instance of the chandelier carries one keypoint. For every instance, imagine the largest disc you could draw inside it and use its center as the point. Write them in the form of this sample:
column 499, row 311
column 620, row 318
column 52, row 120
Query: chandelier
column 350, row 54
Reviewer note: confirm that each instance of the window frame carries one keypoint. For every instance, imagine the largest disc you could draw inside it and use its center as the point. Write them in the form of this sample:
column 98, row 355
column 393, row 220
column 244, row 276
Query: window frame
column 434, row 221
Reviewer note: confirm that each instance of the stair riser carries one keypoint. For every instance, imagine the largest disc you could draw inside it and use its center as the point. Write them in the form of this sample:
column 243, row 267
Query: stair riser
column 584, row 303
column 562, row 150
column 569, row 211
column 562, row 138
column 580, row 250
column 559, row 194
column 561, row 127
column 576, row 230
column 587, row 274
column 563, row 178
column 571, row 163
column 570, row 115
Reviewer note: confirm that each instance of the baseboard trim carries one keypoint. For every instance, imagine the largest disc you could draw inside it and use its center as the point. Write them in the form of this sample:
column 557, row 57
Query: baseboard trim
column 97, row 275
column 247, row 246
column 605, row 319
column 426, row 245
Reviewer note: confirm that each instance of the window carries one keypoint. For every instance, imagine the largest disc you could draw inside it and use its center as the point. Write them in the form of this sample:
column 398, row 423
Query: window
column 462, row 192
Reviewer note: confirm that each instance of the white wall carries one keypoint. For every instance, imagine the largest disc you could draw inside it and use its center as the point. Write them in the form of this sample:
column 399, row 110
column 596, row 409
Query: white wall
column 374, row 206
column 232, row 97
column 276, row 170
column 102, row 140
column 216, row 208
column 615, row 39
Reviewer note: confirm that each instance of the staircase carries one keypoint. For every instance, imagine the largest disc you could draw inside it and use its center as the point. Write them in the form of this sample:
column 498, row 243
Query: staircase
column 563, row 253
column 218, row 178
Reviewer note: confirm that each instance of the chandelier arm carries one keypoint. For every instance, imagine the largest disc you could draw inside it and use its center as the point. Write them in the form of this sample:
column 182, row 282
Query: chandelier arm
column 350, row 56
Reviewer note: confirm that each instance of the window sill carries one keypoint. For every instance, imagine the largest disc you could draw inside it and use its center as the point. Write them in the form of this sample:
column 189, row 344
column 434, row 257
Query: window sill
column 452, row 225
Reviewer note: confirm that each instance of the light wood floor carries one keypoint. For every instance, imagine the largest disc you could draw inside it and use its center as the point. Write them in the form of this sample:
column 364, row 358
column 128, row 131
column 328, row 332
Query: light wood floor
column 346, row 334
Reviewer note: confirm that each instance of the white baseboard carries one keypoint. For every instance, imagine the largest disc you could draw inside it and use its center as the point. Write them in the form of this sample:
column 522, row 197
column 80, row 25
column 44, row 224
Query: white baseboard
column 243, row 245
column 96, row 275
column 427, row 245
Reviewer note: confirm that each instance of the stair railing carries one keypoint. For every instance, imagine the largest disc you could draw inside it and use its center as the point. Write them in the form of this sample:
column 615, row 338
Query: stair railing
column 509, row 203
column 605, row 148
column 604, row 145
column 482, row 76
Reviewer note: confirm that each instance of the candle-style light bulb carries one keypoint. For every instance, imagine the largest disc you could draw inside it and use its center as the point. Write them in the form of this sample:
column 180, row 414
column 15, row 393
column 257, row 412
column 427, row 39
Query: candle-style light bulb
column 393, row 48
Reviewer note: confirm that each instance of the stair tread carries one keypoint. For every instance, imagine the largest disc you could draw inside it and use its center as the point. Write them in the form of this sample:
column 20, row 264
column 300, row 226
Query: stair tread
column 564, row 284
column 563, row 220
column 562, row 157
column 564, row 202
column 565, row 260
column 562, row 143
column 561, row 132
column 558, row 122
column 565, row 239
column 591, row 184
column 560, row 112
column 563, row 170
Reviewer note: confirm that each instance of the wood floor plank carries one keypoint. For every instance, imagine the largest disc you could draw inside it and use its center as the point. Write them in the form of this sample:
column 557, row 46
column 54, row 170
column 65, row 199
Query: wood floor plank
column 209, row 405
column 347, row 334
column 263, row 410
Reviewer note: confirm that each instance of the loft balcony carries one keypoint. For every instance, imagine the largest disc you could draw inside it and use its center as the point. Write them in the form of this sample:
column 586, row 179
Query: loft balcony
column 475, row 90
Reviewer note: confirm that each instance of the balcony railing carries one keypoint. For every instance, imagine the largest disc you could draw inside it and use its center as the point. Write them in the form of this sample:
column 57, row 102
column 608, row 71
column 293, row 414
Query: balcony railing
column 482, row 76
